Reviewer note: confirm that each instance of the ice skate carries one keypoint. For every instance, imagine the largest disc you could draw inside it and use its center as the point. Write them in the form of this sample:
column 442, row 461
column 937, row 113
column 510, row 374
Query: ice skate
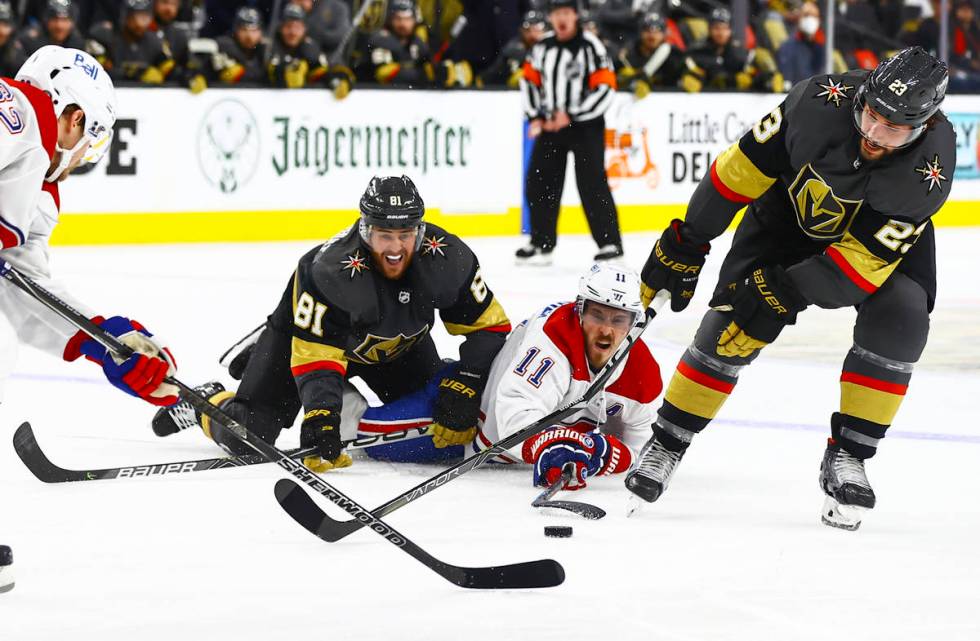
column 180, row 416
column 649, row 479
column 849, row 494
column 533, row 255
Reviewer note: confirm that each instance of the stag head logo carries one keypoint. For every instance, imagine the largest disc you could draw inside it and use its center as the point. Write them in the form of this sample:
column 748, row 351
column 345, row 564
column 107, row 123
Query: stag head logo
column 228, row 145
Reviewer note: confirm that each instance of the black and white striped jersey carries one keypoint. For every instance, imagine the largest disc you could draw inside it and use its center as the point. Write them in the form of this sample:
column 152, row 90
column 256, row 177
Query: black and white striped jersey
column 575, row 76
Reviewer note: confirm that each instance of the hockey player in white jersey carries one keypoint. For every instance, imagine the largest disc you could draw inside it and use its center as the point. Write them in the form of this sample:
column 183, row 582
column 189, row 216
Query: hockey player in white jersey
column 56, row 115
column 550, row 359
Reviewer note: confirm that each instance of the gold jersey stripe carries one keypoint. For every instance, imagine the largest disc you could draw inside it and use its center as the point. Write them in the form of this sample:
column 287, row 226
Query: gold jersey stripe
column 740, row 175
column 868, row 403
column 873, row 269
column 694, row 398
column 306, row 352
column 492, row 316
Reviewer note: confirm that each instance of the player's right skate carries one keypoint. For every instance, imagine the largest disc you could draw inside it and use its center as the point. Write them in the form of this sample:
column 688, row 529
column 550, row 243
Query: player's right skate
column 6, row 569
column 180, row 416
column 649, row 479
column 849, row 494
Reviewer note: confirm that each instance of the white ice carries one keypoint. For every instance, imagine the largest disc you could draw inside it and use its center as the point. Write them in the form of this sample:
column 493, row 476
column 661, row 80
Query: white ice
column 734, row 550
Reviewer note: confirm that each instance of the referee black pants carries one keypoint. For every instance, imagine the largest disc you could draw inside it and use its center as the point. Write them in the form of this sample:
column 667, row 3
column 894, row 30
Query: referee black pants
column 546, row 178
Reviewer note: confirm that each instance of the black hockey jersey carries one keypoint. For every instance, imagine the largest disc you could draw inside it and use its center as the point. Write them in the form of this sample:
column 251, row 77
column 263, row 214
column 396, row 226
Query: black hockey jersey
column 345, row 312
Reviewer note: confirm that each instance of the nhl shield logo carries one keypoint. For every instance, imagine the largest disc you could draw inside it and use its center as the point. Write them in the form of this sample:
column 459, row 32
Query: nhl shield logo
column 820, row 213
column 404, row 297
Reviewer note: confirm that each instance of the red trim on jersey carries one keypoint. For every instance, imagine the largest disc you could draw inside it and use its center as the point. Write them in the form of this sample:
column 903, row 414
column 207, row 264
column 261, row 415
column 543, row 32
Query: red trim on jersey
column 52, row 188
column 8, row 238
column 724, row 190
column 505, row 328
column 640, row 380
column 565, row 331
column 319, row 366
column 850, row 272
column 866, row 381
column 371, row 428
column 703, row 379
column 43, row 111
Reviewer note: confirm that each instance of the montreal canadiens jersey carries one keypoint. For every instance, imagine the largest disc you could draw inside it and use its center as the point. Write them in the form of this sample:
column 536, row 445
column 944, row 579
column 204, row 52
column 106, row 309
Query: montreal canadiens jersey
column 28, row 213
column 543, row 366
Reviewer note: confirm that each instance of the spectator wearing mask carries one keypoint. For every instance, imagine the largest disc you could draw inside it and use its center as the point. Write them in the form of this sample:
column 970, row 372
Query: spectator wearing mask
column 803, row 55
column 650, row 61
column 506, row 70
column 12, row 52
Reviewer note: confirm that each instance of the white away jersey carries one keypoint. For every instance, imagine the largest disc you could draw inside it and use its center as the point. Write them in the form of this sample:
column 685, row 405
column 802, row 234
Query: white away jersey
column 28, row 213
column 543, row 366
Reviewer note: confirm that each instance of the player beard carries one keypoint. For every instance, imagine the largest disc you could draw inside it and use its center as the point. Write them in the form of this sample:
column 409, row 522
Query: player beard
column 870, row 151
column 392, row 264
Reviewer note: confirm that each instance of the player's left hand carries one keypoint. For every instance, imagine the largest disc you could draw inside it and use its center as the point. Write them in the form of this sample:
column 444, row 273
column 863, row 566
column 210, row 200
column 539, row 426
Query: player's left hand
column 457, row 409
column 589, row 454
column 763, row 304
column 142, row 374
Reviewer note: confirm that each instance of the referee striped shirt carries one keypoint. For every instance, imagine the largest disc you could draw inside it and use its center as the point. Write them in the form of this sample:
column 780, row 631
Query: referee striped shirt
column 575, row 76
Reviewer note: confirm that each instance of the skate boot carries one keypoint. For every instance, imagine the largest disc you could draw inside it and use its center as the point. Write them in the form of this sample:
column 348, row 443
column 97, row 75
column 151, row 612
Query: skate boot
column 849, row 494
column 608, row 252
column 181, row 415
column 6, row 569
column 649, row 479
column 533, row 255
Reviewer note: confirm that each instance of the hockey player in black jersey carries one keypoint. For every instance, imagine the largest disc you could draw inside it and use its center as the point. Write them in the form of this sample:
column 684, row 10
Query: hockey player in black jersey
column 362, row 304
column 841, row 182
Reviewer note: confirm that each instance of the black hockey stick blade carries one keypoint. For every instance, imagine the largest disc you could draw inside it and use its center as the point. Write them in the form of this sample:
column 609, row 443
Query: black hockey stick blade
column 545, row 573
column 585, row 510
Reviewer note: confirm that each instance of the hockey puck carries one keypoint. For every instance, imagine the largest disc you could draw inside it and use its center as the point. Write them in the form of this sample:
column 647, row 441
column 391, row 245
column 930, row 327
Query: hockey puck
column 558, row 531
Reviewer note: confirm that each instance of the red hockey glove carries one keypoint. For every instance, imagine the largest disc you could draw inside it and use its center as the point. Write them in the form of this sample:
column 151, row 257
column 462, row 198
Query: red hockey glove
column 590, row 454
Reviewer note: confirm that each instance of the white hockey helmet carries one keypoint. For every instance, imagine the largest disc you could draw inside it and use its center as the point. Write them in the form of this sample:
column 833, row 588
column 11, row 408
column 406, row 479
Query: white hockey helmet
column 612, row 285
column 73, row 77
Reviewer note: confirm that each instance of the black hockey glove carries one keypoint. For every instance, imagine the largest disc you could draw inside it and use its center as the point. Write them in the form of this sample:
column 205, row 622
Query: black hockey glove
column 763, row 304
column 457, row 409
column 321, row 429
column 674, row 265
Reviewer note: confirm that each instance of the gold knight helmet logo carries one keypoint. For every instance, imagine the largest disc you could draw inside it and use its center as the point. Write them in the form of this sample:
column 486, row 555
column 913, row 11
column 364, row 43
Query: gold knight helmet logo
column 381, row 349
column 820, row 213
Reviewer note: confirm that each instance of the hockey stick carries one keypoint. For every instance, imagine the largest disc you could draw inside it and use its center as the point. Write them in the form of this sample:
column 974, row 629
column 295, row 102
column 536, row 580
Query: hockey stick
column 585, row 510
column 532, row 574
column 310, row 516
column 27, row 448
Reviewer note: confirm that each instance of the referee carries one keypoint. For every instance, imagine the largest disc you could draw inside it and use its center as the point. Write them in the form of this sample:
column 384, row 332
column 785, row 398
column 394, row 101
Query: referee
column 567, row 86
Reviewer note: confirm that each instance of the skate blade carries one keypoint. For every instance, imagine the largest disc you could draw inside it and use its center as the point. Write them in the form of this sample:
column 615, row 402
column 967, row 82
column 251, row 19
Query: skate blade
column 844, row 517
column 634, row 505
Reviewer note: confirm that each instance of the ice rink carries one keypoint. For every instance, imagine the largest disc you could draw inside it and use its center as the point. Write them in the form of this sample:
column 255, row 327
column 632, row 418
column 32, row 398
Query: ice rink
column 734, row 550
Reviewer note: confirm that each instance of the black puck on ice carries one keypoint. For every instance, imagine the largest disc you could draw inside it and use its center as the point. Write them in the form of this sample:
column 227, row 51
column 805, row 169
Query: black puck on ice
column 558, row 531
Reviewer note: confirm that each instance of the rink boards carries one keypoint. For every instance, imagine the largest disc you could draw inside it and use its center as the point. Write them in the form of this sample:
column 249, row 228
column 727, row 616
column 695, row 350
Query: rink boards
column 253, row 164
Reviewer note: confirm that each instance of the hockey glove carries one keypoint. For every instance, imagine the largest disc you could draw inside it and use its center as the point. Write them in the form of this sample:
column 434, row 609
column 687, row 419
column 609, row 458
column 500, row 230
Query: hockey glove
column 457, row 409
column 321, row 429
column 140, row 375
column 762, row 305
column 589, row 454
column 675, row 265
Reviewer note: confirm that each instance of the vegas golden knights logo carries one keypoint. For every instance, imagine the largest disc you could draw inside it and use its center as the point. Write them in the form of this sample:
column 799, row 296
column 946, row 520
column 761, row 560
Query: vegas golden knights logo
column 381, row 349
column 820, row 213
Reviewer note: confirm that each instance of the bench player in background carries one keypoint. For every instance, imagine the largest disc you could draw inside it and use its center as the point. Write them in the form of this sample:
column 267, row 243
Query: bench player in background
column 57, row 114
column 550, row 359
column 362, row 304
column 841, row 180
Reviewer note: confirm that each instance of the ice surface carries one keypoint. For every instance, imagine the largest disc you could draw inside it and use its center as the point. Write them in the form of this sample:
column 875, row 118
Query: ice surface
column 734, row 550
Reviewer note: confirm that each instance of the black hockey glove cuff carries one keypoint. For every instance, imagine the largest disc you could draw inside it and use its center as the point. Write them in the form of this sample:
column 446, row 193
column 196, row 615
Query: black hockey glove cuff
column 457, row 408
column 675, row 265
column 763, row 304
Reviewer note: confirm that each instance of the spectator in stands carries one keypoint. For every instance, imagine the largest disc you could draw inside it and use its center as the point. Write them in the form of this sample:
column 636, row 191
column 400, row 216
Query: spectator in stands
column 296, row 61
column 964, row 50
column 489, row 26
column 855, row 34
column 57, row 28
column 617, row 20
column 650, row 61
column 12, row 52
column 717, row 63
column 327, row 21
column 506, row 69
column 188, row 70
column 397, row 56
column 803, row 55
column 133, row 52
column 241, row 55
